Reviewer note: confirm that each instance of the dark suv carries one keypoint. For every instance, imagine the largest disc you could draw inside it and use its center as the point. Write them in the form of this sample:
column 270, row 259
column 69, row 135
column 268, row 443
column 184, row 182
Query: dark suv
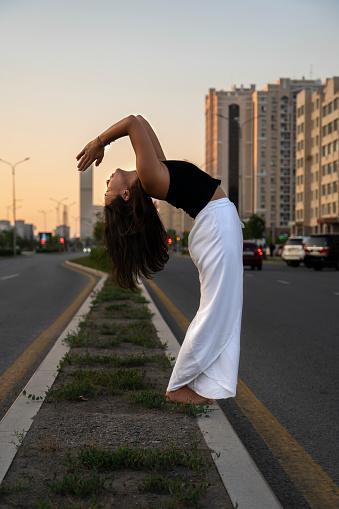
column 322, row 250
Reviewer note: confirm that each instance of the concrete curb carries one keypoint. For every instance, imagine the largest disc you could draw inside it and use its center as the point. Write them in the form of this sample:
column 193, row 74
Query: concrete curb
column 19, row 418
column 243, row 481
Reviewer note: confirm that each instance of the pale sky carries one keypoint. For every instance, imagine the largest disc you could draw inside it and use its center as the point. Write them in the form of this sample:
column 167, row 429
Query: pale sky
column 71, row 68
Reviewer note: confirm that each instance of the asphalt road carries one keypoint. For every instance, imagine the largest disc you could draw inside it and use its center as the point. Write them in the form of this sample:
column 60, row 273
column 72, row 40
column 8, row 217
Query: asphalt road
column 289, row 358
column 34, row 292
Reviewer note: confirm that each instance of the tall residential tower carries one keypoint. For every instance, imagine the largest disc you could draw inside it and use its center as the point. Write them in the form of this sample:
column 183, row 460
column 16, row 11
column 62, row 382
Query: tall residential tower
column 251, row 146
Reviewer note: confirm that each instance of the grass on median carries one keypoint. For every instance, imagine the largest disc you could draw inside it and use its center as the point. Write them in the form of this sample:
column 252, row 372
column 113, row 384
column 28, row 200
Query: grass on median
column 90, row 384
column 89, row 359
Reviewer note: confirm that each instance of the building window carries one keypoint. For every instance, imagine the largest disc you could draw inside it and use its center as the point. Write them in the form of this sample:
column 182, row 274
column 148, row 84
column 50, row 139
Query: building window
column 335, row 104
column 324, row 150
column 328, row 208
column 335, row 186
column 324, row 111
column 324, row 170
column 317, row 140
column 335, row 145
column 323, row 190
column 329, row 169
column 334, row 207
column 324, row 130
column 335, row 125
column 330, row 108
column 335, row 166
column 317, row 103
column 317, row 121
column 329, row 128
column 329, row 189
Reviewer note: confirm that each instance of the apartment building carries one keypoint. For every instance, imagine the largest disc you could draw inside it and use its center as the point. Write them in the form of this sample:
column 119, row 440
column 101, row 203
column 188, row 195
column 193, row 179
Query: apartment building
column 251, row 147
column 317, row 195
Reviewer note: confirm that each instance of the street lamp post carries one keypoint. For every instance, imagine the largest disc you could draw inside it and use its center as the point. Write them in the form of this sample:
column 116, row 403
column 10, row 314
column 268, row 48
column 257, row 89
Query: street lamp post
column 58, row 202
column 45, row 212
column 13, row 166
column 240, row 128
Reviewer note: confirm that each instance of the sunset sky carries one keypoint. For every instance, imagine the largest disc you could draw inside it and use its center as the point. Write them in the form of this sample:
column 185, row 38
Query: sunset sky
column 70, row 69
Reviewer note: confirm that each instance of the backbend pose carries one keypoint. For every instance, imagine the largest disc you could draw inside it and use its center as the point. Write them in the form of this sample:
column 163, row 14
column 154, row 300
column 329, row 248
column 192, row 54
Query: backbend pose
column 207, row 364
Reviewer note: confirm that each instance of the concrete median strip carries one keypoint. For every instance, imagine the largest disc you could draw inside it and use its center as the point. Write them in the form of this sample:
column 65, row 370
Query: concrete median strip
column 241, row 478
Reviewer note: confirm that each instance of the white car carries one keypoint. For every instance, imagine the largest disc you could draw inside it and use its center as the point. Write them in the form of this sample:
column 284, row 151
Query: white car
column 293, row 251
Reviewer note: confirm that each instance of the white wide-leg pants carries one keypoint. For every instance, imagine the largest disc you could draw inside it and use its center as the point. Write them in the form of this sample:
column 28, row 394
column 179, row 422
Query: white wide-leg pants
column 208, row 360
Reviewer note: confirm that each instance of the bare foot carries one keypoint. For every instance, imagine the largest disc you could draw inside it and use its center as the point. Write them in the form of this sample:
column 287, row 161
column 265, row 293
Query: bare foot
column 186, row 395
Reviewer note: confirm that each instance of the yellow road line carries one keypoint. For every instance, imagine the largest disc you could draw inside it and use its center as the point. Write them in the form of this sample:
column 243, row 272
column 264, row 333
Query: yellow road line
column 11, row 377
column 177, row 315
column 313, row 483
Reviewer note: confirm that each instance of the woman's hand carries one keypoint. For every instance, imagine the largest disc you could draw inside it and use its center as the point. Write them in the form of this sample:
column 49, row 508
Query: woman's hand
column 93, row 151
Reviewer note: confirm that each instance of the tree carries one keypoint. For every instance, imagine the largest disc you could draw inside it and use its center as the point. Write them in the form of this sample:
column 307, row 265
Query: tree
column 254, row 228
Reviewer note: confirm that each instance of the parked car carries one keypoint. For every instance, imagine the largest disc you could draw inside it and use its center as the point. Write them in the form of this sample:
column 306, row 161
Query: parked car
column 322, row 250
column 252, row 255
column 293, row 252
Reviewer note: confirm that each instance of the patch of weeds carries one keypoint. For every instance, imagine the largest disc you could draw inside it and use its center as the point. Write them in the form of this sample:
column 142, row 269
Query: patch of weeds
column 79, row 484
column 189, row 408
column 140, row 339
column 113, row 361
column 184, row 493
column 163, row 360
column 125, row 379
column 87, row 324
column 111, row 292
column 67, row 359
column 149, row 460
column 107, row 329
column 33, row 397
column 18, row 437
column 73, row 391
column 15, row 488
column 77, row 339
column 140, row 299
column 149, row 399
column 120, row 310
column 140, row 333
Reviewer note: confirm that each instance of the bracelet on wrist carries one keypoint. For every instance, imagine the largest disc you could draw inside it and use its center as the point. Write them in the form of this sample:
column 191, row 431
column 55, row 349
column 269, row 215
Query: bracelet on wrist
column 103, row 144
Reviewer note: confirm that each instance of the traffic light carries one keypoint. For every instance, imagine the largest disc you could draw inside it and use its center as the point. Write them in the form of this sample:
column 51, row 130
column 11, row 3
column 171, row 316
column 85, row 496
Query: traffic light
column 43, row 242
column 62, row 240
column 169, row 240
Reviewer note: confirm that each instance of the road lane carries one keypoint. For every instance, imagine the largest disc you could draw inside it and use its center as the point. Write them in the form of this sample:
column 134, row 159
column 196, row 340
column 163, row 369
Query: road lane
column 31, row 307
column 288, row 333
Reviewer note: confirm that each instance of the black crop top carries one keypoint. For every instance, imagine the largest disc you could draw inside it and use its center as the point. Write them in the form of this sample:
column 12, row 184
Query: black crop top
column 190, row 188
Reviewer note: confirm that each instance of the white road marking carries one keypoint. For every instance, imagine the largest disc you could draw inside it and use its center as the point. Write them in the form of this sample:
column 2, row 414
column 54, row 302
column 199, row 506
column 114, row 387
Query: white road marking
column 336, row 293
column 249, row 275
column 283, row 282
column 9, row 277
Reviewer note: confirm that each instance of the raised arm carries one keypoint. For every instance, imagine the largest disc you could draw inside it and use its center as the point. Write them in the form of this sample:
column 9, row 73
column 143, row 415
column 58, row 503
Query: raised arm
column 153, row 137
column 152, row 173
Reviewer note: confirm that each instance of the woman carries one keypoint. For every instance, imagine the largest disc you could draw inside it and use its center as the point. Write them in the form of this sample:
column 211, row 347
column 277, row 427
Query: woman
column 207, row 364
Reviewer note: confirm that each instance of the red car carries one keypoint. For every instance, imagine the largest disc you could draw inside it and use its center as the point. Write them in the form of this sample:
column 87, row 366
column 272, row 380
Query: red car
column 252, row 255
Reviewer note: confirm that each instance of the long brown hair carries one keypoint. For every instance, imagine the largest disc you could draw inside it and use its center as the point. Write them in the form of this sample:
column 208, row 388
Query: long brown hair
column 135, row 238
